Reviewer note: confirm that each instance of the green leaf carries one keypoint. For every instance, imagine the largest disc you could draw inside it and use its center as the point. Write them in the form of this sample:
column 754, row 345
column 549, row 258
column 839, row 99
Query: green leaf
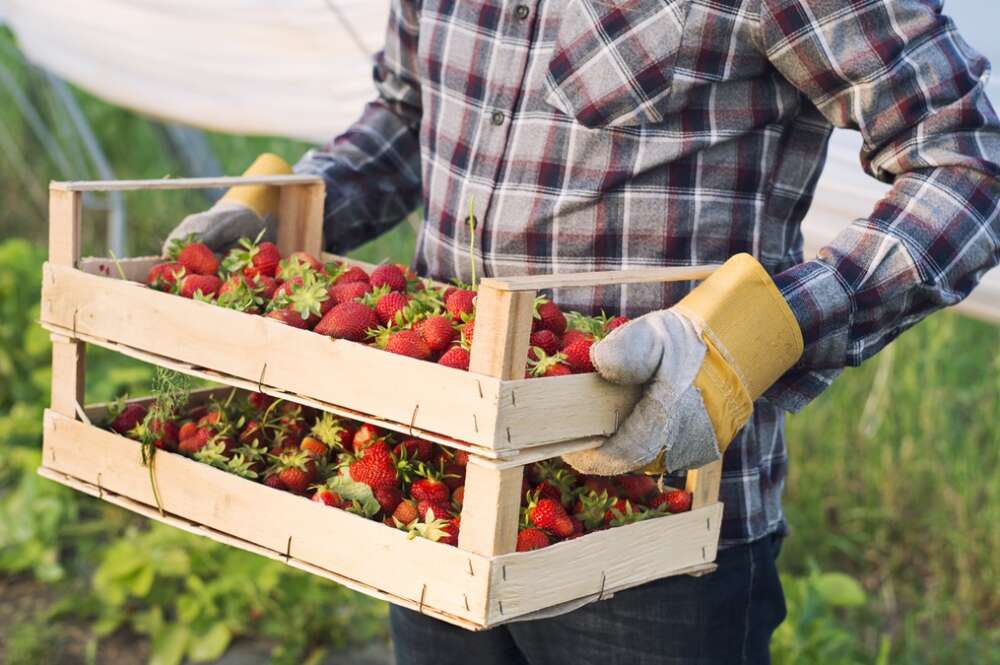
column 211, row 644
column 839, row 590
column 350, row 490
column 169, row 646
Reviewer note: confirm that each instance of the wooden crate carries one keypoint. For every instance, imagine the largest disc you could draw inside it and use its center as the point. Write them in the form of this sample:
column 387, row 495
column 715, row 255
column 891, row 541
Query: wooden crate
column 487, row 411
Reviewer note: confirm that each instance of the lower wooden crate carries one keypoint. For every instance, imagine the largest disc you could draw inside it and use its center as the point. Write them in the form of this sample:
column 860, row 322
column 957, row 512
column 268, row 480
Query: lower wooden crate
column 454, row 585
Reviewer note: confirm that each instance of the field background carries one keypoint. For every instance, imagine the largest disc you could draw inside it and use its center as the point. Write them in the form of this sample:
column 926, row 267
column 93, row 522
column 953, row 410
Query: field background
column 893, row 497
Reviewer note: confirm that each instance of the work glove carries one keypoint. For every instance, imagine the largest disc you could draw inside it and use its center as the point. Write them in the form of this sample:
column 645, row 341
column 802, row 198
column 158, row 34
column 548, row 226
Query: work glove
column 244, row 211
column 704, row 361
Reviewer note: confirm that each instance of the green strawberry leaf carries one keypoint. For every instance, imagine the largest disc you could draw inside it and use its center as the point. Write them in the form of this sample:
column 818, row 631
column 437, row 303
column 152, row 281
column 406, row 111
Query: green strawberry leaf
column 351, row 490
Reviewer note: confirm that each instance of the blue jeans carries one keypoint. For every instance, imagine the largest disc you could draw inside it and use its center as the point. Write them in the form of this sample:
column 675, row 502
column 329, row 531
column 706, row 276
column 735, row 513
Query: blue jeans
column 724, row 618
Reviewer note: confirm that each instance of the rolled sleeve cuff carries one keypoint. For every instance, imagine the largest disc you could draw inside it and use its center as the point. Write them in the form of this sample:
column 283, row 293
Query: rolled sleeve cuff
column 823, row 307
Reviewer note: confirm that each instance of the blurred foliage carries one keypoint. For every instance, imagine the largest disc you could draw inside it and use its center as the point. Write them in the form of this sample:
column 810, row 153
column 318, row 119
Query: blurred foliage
column 892, row 475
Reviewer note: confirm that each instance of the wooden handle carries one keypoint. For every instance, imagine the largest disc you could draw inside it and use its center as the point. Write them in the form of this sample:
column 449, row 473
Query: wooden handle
column 300, row 218
column 182, row 183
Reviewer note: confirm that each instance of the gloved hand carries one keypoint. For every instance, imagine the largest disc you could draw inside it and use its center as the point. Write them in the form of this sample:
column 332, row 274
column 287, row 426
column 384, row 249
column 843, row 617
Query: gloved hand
column 245, row 210
column 705, row 360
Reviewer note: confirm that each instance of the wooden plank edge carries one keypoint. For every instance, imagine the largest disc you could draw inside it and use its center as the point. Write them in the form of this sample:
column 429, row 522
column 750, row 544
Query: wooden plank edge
column 600, row 278
column 226, row 539
column 180, row 183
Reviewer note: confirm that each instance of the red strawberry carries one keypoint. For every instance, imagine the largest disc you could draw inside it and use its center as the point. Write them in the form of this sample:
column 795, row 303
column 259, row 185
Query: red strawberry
column 266, row 260
column 546, row 340
column 260, row 401
column 454, row 475
column 550, row 515
column 430, row 489
column 408, row 343
column 388, row 498
column 615, row 322
column 192, row 444
column 440, row 510
column 352, row 274
column 348, row 320
column 419, row 450
column 348, row 291
column 163, row 276
column 450, row 529
column 296, row 470
column 286, row 287
column 600, row 484
column 198, row 259
column 578, row 356
column 621, row 508
column 388, row 275
column 289, row 317
column 389, row 305
column 548, row 316
column 207, row 285
column 531, row 539
column 263, row 285
column 456, row 357
column 458, row 495
column 375, row 467
column 325, row 496
column 274, row 481
column 459, row 302
column 296, row 263
column 314, row 446
column 406, row 511
column 366, row 435
column 187, row 430
column 637, row 487
column 577, row 528
column 437, row 331
column 166, row 433
column 131, row 415
column 679, row 501
column 571, row 337
column 468, row 330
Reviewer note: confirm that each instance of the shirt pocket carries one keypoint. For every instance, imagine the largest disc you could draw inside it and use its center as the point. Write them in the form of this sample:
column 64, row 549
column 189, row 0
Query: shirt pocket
column 613, row 61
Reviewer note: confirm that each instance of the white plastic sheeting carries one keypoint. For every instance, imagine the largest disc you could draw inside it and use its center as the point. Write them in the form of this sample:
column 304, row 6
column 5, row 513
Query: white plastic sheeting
column 302, row 68
column 299, row 68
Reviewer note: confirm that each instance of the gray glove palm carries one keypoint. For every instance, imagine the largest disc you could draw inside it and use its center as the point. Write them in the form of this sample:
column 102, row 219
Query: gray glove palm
column 221, row 226
column 663, row 350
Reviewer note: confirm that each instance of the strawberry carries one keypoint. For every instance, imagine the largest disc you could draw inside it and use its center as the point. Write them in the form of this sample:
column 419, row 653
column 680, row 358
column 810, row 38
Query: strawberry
column 620, row 512
column 187, row 430
column 272, row 480
column 164, row 276
column 678, row 501
column 348, row 320
column 263, row 285
column 615, row 322
column 259, row 401
column 352, row 274
column 531, row 539
column 165, row 432
column 252, row 258
column 418, row 450
column 571, row 337
column 459, row 302
column 191, row 445
column 296, row 265
column 375, row 467
column 332, row 432
column 549, row 514
column 541, row 364
column 348, row 291
column 460, row 458
column 578, row 356
column 388, row 275
column 578, row 529
column 450, row 536
column 456, row 357
column 289, row 317
column 365, row 436
column 454, row 475
column 592, row 507
column 314, row 447
column 130, row 416
column 437, row 331
column 637, row 488
column 206, row 285
column 548, row 316
column 198, row 259
column 600, row 484
column 285, row 288
column 440, row 510
column 266, row 260
column 328, row 497
column 406, row 512
column 388, row 306
column 295, row 470
column 468, row 330
column 430, row 488
column 408, row 343
column 546, row 340
column 458, row 496
column 388, row 497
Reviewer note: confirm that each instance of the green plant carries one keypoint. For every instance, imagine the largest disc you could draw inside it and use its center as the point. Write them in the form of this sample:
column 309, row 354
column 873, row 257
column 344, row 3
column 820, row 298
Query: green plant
column 191, row 597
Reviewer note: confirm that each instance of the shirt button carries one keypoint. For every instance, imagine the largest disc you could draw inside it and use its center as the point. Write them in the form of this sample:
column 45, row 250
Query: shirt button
column 522, row 12
column 497, row 118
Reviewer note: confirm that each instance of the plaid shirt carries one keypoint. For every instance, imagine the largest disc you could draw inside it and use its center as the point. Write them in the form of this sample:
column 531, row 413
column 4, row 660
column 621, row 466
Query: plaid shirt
column 607, row 134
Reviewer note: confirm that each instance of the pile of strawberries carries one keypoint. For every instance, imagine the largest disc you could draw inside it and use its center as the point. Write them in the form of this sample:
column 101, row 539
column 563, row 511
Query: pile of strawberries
column 390, row 308
column 408, row 483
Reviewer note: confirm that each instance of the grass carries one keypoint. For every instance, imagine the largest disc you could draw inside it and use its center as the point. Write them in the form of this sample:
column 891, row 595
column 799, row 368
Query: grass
column 893, row 470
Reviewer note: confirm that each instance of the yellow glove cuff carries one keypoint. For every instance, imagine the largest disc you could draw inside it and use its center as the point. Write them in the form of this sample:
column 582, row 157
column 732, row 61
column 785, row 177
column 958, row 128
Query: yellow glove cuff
column 262, row 199
column 751, row 335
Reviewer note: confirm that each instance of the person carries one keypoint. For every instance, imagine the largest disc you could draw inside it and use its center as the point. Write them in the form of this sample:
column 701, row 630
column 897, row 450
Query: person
column 610, row 134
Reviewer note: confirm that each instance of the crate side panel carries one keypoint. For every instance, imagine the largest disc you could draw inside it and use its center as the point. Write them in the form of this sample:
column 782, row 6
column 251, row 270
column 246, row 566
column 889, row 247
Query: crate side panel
column 418, row 570
column 429, row 396
column 604, row 561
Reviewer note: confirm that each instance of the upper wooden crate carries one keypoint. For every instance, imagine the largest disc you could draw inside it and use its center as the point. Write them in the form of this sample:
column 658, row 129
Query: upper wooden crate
column 490, row 410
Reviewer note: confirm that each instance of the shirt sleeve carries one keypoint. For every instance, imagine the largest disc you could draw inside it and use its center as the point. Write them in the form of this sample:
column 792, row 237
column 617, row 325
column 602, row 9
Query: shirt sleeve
column 899, row 73
column 372, row 170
